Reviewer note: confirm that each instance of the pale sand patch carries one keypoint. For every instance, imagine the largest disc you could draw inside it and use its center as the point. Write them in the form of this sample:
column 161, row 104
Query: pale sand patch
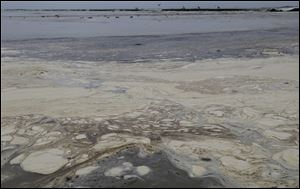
column 20, row 140
column 44, row 162
column 277, row 135
column 80, row 137
column 284, row 67
column 18, row 159
column 143, row 170
column 86, row 170
column 143, row 83
column 197, row 171
column 289, row 158
column 7, row 129
column 115, row 141
column 65, row 102
column 235, row 164
column 45, row 140
column 6, row 138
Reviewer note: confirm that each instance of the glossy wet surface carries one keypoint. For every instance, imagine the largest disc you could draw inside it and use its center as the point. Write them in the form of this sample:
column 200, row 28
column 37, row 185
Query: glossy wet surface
column 18, row 25
column 163, row 174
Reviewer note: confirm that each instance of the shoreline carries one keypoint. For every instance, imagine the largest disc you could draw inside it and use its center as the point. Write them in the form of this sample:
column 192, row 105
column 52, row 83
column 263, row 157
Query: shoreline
column 170, row 9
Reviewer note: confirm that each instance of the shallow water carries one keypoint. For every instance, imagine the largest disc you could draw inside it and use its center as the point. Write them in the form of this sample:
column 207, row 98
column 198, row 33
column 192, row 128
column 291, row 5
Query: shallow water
column 28, row 25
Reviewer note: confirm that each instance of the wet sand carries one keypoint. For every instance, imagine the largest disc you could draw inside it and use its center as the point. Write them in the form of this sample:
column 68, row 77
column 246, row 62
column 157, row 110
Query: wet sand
column 205, row 110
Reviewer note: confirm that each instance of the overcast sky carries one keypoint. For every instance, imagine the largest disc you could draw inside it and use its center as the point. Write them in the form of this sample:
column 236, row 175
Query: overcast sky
column 141, row 4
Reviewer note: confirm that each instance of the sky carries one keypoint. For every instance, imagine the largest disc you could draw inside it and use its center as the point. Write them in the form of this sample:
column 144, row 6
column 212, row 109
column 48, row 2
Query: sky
column 141, row 4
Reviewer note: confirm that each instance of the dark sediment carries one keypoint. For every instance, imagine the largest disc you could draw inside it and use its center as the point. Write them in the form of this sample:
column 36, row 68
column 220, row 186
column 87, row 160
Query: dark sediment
column 163, row 174
column 186, row 47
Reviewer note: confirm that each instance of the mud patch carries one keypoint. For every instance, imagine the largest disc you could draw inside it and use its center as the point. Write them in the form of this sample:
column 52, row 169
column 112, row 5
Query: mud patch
column 162, row 174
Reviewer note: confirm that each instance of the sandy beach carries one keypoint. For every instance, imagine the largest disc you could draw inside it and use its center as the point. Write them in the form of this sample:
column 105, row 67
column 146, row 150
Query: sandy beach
column 198, row 109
